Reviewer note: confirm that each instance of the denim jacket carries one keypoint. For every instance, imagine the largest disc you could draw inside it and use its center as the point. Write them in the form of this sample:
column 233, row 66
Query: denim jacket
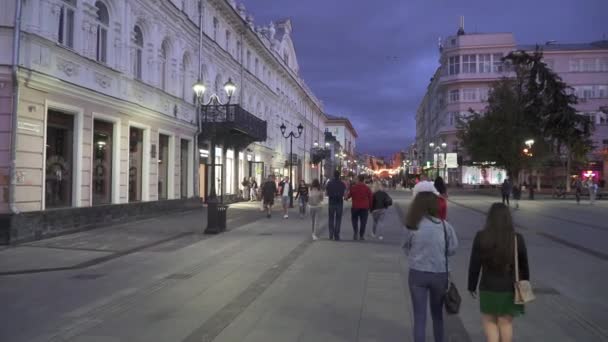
column 425, row 247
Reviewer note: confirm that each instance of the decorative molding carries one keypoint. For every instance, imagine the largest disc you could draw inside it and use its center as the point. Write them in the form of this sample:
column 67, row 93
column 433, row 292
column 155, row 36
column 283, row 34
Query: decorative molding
column 68, row 67
column 103, row 80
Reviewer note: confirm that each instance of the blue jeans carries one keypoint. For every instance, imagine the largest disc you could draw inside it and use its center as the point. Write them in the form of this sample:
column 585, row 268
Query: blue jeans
column 359, row 215
column 335, row 220
column 423, row 284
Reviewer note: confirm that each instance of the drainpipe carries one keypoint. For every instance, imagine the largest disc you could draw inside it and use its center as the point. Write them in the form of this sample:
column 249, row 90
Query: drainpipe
column 196, row 160
column 15, row 105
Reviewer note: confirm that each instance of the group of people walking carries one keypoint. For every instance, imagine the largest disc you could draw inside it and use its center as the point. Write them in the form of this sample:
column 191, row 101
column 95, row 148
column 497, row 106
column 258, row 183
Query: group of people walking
column 508, row 190
column 497, row 262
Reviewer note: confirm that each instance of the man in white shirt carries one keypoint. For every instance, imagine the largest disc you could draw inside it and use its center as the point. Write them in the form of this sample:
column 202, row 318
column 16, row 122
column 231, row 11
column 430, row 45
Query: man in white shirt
column 285, row 191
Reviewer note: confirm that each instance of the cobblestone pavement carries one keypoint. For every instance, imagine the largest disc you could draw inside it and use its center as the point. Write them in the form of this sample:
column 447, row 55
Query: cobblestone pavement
column 268, row 281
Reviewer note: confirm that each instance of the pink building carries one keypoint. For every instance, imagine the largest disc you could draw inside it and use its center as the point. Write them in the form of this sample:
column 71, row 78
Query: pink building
column 470, row 63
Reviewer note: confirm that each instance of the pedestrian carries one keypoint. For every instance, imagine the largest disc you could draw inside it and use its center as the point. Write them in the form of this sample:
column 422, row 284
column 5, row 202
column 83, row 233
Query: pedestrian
column 493, row 255
column 428, row 242
column 506, row 189
column 442, row 198
column 253, row 189
column 315, row 198
column 424, row 183
column 285, row 189
column 362, row 198
column 516, row 195
column 578, row 190
column 269, row 190
column 592, row 185
column 302, row 196
column 380, row 203
column 245, row 184
column 335, row 190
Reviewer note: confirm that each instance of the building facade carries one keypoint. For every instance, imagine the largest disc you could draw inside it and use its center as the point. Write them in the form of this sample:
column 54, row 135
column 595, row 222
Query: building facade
column 106, row 115
column 470, row 63
column 346, row 135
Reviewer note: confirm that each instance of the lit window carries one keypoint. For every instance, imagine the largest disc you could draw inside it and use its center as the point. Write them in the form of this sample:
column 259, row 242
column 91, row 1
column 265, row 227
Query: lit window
column 103, row 136
column 469, row 64
column 59, row 159
column 454, row 65
column 485, row 63
column 66, row 23
column 163, row 167
column 103, row 22
column 138, row 40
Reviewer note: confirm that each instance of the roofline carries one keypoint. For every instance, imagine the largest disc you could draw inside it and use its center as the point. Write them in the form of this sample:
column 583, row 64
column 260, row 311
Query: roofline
column 349, row 125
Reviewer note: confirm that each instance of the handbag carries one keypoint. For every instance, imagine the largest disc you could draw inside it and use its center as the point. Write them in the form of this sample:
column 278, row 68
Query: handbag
column 451, row 298
column 523, row 288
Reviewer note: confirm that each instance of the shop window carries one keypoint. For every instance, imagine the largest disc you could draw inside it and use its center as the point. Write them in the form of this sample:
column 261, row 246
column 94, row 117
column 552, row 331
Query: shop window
column 59, row 159
column 136, row 158
column 163, row 166
column 102, row 161
column 183, row 162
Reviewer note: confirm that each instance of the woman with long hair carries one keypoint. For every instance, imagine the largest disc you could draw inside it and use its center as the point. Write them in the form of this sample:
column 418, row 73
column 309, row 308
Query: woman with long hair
column 302, row 195
column 442, row 198
column 493, row 255
column 315, row 198
column 425, row 244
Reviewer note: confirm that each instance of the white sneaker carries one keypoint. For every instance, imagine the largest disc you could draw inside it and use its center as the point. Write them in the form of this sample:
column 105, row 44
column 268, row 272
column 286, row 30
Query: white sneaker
column 286, row 216
column 314, row 237
column 380, row 237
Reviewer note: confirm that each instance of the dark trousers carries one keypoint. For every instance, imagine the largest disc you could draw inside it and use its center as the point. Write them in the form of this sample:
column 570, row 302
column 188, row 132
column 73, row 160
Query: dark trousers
column 359, row 216
column 335, row 220
column 505, row 198
column 422, row 285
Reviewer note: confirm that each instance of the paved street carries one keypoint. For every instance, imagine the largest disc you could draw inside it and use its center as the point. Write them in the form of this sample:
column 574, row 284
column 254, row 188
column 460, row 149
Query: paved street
column 265, row 280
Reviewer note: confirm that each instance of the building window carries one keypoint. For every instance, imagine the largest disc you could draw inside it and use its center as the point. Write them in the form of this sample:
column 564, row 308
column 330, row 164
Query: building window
column 588, row 65
column 216, row 26
column 454, row 96
column 454, row 65
column 103, row 133
column 183, row 163
column 469, row 94
column 485, row 63
column 248, row 65
column 469, row 64
column 286, row 58
column 483, row 94
column 574, row 65
column 602, row 118
column 228, row 35
column 59, row 159
column 138, row 40
column 602, row 91
column 497, row 64
column 164, row 54
column 163, row 167
column 103, row 22
column 136, row 162
column 239, row 48
column 603, row 64
column 66, row 23
column 256, row 67
column 230, row 172
column 186, row 84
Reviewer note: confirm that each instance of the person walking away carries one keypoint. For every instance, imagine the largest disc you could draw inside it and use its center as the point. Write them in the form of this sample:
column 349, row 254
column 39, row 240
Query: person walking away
column 578, row 190
column 516, row 195
column 442, row 198
column 269, row 190
column 253, row 189
column 245, row 184
column 425, row 245
column 380, row 203
column 362, row 198
column 335, row 190
column 592, row 191
column 302, row 196
column 493, row 255
column 315, row 198
column 506, row 191
column 285, row 189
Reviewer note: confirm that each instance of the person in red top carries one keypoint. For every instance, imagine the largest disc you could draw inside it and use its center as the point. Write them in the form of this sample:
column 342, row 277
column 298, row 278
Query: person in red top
column 362, row 198
column 442, row 198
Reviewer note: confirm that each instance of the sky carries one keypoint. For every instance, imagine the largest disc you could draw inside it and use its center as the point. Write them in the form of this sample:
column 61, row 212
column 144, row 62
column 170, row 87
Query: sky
column 371, row 61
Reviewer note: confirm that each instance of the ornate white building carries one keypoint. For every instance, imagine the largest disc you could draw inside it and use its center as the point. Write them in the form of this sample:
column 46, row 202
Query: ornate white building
column 106, row 113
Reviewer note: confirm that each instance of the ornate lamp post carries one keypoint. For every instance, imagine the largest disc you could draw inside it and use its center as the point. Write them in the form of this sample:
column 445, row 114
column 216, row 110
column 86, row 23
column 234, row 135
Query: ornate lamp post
column 291, row 135
column 211, row 117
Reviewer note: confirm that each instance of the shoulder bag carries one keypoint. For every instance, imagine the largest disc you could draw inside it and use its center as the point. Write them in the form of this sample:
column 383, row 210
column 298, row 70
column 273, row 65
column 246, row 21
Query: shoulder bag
column 452, row 298
column 523, row 288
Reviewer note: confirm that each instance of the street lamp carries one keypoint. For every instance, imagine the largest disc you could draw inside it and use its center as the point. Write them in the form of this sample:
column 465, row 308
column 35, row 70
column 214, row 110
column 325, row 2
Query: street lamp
column 291, row 135
column 211, row 109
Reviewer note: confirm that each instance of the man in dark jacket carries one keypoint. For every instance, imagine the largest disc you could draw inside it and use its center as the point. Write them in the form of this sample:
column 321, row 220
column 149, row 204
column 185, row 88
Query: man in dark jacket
column 335, row 192
column 362, row 201
column 269, row 190
column 506, row 190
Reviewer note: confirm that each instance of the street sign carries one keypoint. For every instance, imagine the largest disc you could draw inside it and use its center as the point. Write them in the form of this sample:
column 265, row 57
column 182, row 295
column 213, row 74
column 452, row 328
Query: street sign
column 452, row 160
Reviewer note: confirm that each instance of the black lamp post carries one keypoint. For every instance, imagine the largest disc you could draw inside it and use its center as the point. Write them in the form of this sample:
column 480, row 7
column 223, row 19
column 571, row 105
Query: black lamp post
column 291, row 135
column 212, row 202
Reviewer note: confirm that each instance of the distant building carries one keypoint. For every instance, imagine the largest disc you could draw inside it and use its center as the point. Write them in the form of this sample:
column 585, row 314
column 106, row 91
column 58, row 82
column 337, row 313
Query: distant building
column 470, row 63
column 346, row 135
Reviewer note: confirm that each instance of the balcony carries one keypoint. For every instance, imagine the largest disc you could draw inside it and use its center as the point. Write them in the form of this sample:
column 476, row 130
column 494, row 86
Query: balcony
column 231, row 125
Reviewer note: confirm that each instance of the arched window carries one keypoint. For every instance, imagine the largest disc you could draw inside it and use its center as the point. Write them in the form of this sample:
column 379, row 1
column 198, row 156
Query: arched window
column 65, row 35
column 185, row 81
column 103, row 22
column 216, row 26
column 138, row 42
column 164, row 55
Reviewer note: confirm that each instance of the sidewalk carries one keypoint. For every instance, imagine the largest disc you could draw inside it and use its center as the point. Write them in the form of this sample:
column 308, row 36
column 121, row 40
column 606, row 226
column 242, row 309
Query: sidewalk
column 88, row 248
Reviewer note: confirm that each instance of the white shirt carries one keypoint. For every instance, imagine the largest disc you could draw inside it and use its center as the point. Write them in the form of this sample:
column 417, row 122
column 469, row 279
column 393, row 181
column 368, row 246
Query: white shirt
column 286, row 189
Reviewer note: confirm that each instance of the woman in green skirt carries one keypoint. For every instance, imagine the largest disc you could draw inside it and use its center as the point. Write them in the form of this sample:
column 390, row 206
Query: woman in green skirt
column 493, row 255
